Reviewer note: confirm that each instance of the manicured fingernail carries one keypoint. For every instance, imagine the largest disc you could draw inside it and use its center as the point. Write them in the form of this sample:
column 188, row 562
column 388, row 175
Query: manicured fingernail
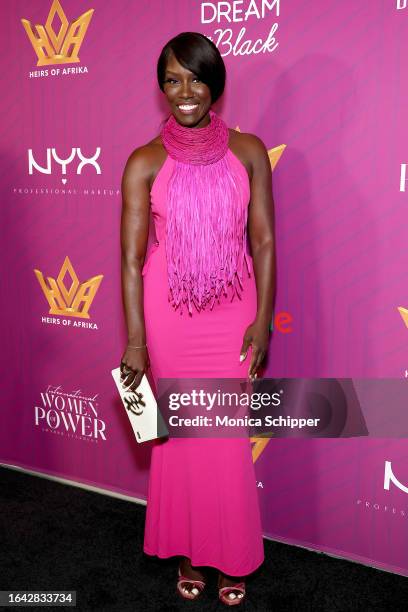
column 242, row 357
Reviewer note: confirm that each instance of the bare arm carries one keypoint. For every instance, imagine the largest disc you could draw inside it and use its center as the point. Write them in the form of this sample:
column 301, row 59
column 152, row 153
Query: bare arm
column 262, row 239
column 261, row 226
column 134, row 234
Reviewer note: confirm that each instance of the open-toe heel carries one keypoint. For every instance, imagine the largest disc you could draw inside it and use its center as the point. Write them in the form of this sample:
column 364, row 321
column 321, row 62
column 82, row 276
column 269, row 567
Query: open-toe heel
column 196, row 590
column 224, row 593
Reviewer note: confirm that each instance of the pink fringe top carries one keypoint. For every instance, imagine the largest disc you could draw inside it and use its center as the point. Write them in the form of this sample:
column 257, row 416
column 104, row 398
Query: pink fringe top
column 206, row 227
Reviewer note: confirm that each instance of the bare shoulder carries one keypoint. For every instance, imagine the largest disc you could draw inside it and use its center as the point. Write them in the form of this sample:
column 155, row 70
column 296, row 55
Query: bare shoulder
column 145, row 162
column 249, row 142
column 249, row 148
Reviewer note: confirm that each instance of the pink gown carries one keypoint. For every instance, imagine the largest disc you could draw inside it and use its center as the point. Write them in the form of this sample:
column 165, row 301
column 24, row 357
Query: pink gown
column 202, row 499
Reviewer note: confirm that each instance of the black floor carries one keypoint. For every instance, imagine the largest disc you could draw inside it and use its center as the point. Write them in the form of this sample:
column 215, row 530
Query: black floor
column 59, row 537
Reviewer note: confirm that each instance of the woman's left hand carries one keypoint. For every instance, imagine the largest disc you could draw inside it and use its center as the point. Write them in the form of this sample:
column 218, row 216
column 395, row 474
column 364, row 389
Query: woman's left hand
column 257, row 335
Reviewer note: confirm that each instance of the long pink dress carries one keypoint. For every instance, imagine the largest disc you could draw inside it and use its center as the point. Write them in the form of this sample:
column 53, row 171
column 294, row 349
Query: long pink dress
column 202, row 497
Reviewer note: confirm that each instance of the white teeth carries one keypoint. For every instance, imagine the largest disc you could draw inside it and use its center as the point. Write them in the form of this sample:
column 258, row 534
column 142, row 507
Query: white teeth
column 187, row 106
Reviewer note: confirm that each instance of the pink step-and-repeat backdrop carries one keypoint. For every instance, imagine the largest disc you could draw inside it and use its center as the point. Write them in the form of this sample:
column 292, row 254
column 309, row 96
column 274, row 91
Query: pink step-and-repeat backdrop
column 324, row 85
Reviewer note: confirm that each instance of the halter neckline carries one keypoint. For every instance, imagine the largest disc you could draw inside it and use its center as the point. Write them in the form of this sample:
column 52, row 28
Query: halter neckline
column 196, row 146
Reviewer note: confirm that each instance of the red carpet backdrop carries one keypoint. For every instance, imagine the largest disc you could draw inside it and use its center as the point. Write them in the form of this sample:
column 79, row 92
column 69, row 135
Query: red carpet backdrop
column 324, row 85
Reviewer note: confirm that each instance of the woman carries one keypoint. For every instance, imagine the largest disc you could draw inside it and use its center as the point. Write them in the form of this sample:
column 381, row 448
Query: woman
column 196, row 307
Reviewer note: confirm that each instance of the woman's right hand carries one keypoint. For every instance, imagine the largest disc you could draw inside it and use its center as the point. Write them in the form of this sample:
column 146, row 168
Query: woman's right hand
column 134, row 364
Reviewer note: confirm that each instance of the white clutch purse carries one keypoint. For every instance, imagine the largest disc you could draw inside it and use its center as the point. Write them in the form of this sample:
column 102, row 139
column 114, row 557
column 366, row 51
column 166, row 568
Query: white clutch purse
column 141, row 408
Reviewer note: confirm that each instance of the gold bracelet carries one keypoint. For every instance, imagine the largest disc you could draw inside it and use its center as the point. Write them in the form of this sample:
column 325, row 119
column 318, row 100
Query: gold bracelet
column 142, row 346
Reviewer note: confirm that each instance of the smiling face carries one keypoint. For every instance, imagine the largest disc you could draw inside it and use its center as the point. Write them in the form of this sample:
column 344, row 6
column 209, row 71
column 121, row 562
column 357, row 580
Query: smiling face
column 188, row 97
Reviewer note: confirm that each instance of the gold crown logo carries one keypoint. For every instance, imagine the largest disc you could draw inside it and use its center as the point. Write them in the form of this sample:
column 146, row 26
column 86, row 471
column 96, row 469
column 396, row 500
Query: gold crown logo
column 65, row 301
column 61, row 48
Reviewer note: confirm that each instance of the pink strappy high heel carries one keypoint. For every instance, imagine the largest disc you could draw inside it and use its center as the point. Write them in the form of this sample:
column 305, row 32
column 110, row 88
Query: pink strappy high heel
column 223, row 593
column 198, row 586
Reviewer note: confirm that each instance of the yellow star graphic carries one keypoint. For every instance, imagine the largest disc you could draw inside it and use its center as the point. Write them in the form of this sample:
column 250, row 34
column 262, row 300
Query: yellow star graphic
column 259, row 444
column 404, row 314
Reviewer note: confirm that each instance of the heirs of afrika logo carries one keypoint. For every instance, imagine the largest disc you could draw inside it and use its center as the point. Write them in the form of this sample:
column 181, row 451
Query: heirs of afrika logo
column 58, row 42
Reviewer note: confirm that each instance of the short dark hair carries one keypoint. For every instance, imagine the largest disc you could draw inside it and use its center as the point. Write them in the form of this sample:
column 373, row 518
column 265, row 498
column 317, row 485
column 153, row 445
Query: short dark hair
column 198, row 54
